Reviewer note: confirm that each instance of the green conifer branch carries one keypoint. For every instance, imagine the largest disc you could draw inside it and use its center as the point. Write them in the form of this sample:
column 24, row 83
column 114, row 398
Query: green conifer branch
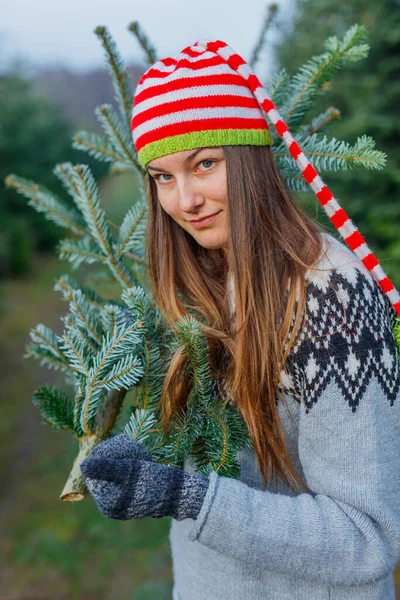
column 132, row 229
column 78, row 252
column 268, row 20
column 334, row 155
column 66, row 285
column 119, row 77
column 140, row 424
column 45, row 202
column 56, row 408
column 319, row 122
column 46, row 357
column 84, row 318
column 119, row 137
column 97, row 146
column 149, row 49
column 308, row 83
column 76, row 352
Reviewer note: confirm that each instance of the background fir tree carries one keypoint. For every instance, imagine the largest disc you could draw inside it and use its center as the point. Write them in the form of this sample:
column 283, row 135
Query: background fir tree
column 33, row 136
column 111, row 346
column 363, row 98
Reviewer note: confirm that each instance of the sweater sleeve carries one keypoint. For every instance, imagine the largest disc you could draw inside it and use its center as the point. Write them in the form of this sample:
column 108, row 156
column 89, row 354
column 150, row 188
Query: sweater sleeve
column 347, row 531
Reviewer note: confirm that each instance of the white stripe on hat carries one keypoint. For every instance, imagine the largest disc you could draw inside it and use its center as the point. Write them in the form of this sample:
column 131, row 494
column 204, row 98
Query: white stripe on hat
column 178, row 73
column 197, row 114
column 195, row 92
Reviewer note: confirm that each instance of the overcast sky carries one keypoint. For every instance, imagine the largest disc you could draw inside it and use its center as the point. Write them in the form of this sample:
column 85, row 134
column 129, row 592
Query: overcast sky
column 61, row 32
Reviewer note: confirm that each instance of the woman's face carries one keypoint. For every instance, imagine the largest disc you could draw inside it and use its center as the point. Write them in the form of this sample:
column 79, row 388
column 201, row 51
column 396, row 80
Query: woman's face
column 191, row 184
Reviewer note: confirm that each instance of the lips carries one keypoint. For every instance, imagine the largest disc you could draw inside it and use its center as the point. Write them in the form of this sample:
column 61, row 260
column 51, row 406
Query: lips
column 204, row 218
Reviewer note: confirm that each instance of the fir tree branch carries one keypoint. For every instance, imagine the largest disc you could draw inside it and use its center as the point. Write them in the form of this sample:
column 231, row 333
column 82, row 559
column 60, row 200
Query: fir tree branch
column 56, row 407
column 334, row 155
column 75, row 352
column 113, row 349
column 78, row 252
column 311, row 77
column 272, row 10
column 119, row 137
column 321, row 121
column 140, row 424
column 65, row 284
column 95, row 145
column 123, row 374
column 84, row 318
column 46, row 358
column 277, row 86
column 116, row 69
column 45, row 338
column 149, row 49
column 45, row 202
column 88, row 201
column 132, row 229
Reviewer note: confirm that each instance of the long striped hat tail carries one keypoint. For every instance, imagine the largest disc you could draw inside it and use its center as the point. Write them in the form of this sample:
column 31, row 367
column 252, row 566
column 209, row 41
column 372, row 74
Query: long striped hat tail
column 336, row 214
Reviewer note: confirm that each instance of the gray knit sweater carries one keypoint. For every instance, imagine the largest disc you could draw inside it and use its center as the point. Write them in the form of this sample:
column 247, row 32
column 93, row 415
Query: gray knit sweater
column 342, row 428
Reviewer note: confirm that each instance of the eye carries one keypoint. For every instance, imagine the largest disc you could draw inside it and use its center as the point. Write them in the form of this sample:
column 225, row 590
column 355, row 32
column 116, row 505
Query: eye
column 157, row 177
column 206, row 160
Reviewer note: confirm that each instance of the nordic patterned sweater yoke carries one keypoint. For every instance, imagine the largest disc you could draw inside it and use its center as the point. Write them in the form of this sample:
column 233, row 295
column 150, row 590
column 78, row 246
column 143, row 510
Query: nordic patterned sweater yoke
column 341, row 422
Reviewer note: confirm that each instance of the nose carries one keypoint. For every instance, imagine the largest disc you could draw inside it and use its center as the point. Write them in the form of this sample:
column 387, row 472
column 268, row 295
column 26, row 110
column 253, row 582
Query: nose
column 189, row 195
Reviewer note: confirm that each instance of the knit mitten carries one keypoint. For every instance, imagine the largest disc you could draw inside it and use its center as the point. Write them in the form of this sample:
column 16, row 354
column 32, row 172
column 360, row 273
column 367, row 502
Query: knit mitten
column 126, row 484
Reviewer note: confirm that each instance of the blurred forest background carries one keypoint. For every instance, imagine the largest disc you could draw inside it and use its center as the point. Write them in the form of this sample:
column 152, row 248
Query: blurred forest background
column 69, row 551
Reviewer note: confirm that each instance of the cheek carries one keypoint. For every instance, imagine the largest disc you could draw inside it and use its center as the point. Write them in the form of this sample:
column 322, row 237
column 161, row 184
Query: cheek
column 169, row 205
column 218, row 187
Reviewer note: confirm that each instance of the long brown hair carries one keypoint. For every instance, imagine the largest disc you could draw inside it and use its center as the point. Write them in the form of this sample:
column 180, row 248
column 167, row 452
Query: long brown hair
column 271, row 244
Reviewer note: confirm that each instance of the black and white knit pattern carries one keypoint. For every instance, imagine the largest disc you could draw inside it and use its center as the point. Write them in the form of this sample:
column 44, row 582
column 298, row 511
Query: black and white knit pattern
column 347, row 334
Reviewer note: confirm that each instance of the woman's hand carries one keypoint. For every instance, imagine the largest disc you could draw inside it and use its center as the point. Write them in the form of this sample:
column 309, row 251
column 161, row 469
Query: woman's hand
column 126, row 484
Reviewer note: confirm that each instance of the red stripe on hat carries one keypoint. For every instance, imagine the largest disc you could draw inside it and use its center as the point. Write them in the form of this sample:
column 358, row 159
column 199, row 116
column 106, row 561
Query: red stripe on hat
column 216, row 45
column 386, row 284
column 203, row 63
column 294, row 149
column 324, row 195
column 355, row 240
column 253, row 82
column 339, row 218
column 168, row 61
column 235, row 61
column 309, row 173
column 174, row 106
column 185, row 82
column 202, row 125
column 370, row 261
column 268, row 105
column 189, row 52
column 281, row 127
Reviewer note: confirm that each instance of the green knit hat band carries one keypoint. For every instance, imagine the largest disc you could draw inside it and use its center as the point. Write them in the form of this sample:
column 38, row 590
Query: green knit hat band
column 204, row 139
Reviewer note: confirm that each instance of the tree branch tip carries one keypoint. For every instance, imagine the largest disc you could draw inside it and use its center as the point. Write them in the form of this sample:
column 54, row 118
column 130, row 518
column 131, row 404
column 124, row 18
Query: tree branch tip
column 99, row 30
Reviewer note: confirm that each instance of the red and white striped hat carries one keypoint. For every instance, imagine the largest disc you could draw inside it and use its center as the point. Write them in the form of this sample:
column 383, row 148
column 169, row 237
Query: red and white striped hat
column 207, row 95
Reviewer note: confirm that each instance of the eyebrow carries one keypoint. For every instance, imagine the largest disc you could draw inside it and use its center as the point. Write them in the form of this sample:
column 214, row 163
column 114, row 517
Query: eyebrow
column 187, row 159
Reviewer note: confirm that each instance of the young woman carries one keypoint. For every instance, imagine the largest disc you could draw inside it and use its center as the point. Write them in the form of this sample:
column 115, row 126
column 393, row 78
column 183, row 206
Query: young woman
column 301, row 340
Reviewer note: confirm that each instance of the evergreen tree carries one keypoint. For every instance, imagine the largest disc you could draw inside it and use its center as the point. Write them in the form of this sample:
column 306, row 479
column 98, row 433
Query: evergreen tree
column 111, row 347
column 33, row 136
column 364, row 97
